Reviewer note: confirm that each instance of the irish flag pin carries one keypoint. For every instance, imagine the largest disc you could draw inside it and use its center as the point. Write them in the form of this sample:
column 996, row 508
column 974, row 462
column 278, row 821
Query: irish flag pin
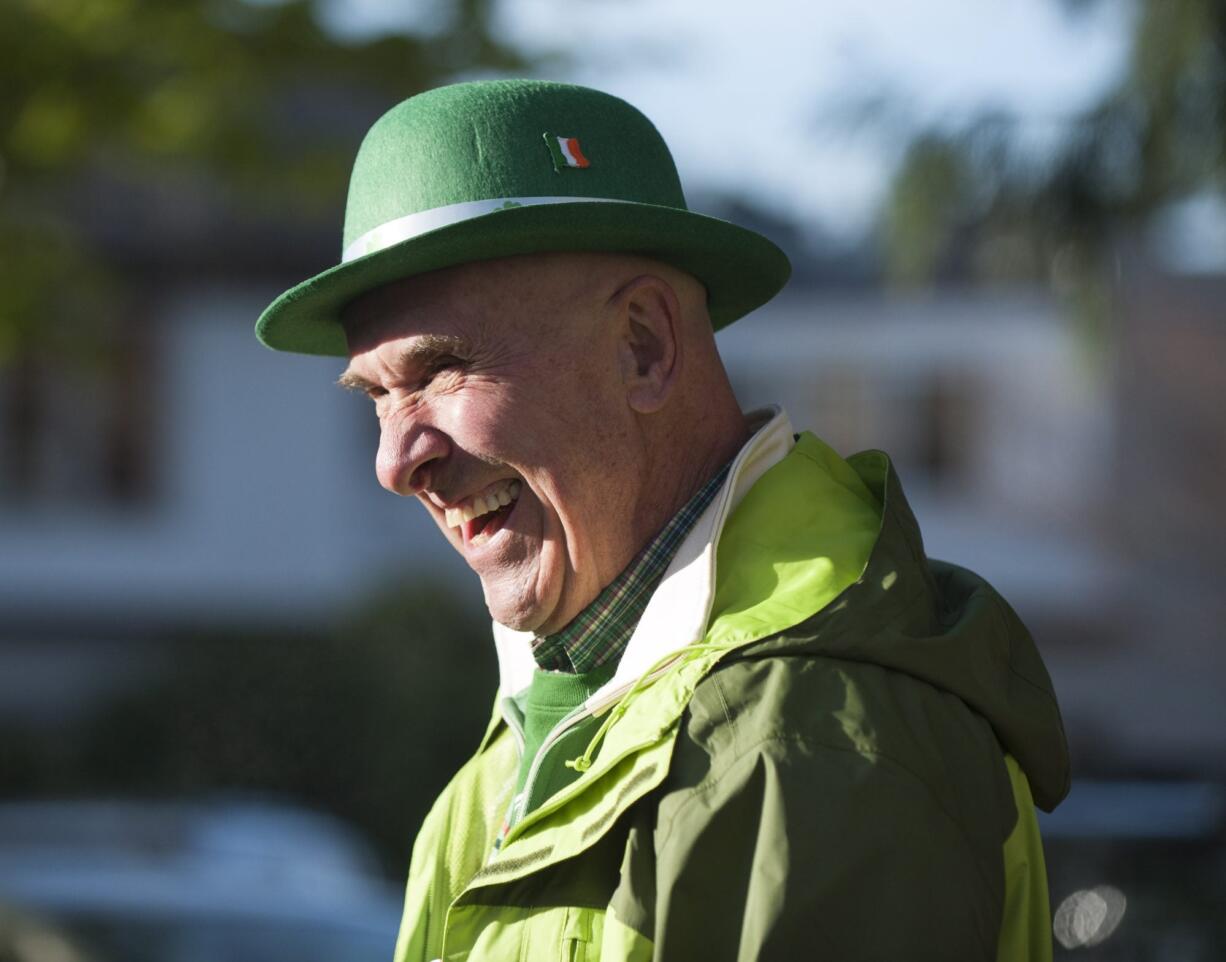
column 565, row 152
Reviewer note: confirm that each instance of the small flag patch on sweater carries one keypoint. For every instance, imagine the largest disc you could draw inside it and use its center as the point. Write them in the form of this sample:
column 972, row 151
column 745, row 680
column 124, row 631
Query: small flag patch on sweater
column 566, row 152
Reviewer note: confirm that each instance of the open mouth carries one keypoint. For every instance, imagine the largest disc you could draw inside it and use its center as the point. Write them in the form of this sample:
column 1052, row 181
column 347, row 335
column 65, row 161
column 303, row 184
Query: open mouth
column 481, row 517
column 480, row 530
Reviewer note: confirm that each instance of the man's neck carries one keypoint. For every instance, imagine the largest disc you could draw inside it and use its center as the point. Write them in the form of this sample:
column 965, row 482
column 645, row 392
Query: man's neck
column 682, row 475
column 600, row 632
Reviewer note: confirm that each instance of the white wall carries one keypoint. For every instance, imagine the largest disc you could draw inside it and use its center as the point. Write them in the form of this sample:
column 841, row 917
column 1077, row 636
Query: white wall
column 265, row 501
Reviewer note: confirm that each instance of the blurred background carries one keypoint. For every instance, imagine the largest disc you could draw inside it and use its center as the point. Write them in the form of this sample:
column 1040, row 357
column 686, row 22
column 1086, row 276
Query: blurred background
column 234, row 672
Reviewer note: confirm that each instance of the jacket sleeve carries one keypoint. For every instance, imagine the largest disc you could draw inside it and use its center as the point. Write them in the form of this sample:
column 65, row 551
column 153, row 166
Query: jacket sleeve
column 803, row 851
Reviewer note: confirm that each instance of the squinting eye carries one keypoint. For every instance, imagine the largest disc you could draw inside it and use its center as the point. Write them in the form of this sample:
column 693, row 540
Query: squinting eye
column 440, row 365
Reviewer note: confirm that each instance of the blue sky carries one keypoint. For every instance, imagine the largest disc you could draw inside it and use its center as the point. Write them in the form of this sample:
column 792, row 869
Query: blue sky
column 755, row 96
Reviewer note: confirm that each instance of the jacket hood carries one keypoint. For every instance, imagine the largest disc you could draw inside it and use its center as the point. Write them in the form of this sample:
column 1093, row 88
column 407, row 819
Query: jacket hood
column 944, row 625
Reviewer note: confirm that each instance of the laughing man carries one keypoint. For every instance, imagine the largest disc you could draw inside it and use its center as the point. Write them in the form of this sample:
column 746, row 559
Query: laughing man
column 741, row 715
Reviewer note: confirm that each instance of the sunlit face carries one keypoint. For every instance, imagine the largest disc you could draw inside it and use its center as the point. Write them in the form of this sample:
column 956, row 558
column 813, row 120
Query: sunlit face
column 502, row 410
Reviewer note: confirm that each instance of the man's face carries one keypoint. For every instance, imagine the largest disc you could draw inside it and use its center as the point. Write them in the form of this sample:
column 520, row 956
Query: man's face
column 502, row 408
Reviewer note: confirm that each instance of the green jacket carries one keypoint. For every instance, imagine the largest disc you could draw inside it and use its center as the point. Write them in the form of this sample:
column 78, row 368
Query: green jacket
column 816, row 757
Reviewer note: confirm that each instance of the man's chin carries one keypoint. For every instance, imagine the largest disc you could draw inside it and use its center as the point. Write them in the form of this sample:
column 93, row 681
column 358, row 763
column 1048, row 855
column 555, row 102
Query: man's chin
column 515, row 612
column 523, row 592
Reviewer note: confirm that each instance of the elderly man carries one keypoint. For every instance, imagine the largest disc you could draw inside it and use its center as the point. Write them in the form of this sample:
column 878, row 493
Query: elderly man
column 741, row 715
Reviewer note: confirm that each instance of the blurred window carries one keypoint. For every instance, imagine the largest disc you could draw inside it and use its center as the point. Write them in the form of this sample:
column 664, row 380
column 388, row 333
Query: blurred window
column 928, row 427
column 946, row 407
column 926, row 419
column 76, row 422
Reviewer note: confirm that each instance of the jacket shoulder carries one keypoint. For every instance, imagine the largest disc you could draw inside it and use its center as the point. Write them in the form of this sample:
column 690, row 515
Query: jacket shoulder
column 842, row 791
column 812, row 712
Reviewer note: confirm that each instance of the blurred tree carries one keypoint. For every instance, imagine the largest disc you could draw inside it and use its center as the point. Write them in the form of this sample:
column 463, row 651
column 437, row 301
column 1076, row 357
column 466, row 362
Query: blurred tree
column 982, row 200
column 95, row 93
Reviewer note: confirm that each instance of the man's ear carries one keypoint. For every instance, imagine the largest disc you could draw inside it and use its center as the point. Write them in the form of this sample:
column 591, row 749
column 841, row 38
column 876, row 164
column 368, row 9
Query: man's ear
column 650, row 341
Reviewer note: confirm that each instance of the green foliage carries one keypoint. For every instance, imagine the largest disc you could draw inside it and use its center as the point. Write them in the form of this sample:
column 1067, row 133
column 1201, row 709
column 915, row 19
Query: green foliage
column 99, row 92
column 929, row 203
column 206, row 82
column 1016, row 213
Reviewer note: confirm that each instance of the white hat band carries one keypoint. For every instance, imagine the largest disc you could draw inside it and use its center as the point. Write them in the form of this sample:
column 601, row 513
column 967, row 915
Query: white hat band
column 411, row 225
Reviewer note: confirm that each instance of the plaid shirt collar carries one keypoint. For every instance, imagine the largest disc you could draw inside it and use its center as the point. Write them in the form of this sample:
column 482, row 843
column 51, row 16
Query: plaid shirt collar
column 601, row 631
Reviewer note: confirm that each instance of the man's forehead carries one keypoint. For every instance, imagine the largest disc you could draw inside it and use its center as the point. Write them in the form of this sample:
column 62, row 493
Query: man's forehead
column 423, row 312
column 465, row 299
column 449, row 286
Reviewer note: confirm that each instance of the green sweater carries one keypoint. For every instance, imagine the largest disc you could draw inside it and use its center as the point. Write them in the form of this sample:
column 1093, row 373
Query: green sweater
column 533, row 714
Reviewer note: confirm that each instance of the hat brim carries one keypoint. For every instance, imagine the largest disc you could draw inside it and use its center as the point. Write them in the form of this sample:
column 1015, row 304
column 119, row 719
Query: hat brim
column 740, row 269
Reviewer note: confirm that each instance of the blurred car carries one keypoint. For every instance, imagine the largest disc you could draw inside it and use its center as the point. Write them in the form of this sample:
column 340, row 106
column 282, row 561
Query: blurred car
column 197, row 882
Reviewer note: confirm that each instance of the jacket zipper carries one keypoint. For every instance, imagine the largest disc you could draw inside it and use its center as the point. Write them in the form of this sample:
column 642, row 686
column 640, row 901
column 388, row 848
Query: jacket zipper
column 609, row 700
column 560, row 729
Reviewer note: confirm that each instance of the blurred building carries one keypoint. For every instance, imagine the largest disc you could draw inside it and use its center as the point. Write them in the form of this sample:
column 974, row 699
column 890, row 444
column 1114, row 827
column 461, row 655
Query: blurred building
column 204, row 480
column 1168, row 526
column 182, row 475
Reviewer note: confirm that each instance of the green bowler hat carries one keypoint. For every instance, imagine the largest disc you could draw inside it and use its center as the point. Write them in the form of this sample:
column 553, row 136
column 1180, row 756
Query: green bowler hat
column 481, row 170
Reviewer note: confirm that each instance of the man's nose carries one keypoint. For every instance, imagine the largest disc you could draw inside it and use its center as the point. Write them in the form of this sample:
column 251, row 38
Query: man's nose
column 407, row 454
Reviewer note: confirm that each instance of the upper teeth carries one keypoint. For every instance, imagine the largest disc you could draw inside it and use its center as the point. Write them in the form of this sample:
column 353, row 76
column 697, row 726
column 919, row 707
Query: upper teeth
column 489, row 500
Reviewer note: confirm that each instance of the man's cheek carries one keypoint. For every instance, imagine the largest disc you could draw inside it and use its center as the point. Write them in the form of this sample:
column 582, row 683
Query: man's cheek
column 481, row 420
